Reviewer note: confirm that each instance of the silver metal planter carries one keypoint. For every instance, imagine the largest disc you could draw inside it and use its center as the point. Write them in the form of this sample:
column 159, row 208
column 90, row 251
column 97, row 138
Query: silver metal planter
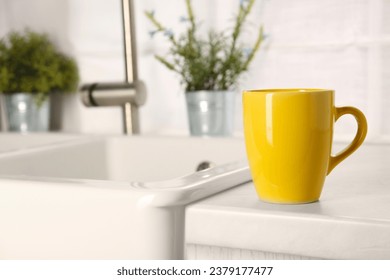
column 23, row 114
column 210, row 113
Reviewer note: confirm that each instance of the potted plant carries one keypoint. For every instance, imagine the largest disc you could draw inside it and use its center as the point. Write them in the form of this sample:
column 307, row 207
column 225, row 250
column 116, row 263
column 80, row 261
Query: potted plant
column 31, row 68
column 209, row 69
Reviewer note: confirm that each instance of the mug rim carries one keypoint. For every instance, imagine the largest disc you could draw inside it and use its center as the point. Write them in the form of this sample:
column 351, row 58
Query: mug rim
column 289, row 90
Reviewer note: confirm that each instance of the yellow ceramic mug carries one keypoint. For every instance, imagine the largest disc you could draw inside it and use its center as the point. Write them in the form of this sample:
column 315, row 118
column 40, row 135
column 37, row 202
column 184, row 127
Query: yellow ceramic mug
column 288, row 136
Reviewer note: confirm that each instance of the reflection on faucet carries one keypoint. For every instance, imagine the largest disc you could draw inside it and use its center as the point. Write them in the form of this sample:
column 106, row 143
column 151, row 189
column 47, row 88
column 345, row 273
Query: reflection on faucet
column 130, row 94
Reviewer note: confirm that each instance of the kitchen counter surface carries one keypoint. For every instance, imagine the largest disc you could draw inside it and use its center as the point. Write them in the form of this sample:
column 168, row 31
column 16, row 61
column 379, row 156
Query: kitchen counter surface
column 351, row 220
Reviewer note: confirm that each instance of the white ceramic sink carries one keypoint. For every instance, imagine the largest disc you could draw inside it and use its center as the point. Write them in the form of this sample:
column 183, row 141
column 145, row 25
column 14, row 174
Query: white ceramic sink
column 129, row 159
column 17, row 141
column 109, row 197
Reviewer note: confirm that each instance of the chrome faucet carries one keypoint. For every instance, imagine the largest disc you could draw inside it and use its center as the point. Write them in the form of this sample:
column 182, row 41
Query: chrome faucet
column 130, row 94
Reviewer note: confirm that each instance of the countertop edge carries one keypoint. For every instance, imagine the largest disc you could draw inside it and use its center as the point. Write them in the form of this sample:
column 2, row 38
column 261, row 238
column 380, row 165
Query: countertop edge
column 308, row 235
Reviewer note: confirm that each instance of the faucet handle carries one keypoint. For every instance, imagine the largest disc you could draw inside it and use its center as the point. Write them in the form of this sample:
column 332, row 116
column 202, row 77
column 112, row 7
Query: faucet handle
column 113, row 94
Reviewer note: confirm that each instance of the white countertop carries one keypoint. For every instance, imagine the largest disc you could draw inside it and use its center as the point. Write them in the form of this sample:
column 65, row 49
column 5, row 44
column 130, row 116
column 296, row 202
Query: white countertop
column 351, row 220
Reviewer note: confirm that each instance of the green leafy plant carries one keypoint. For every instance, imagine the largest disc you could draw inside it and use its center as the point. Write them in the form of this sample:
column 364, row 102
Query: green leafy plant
column 30, row 63
column 212, row 63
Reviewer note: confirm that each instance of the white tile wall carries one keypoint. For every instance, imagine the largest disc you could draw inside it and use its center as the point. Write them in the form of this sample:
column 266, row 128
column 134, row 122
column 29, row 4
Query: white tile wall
column 306, row 21
column 385, row 67
column 3, row 18
column 385, row 17
column 386, row 89
column 311, row 43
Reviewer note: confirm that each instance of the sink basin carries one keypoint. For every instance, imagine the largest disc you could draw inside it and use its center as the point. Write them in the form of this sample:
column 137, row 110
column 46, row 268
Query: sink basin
column 110, row 197
column 129, row 159
column 17, row 141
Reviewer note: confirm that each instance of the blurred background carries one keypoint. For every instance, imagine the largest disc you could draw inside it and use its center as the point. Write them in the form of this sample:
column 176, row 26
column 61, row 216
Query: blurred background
column 341, row 45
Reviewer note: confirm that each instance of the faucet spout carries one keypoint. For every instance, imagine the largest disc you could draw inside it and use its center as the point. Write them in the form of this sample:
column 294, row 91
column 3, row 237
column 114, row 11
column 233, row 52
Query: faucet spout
column 129, row 39
column 130, row 94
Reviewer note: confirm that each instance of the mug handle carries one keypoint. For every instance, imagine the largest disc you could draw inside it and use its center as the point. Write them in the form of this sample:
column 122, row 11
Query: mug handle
column 357, row 141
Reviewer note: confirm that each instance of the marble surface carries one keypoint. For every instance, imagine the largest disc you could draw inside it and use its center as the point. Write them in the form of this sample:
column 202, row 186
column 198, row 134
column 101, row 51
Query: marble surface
column 351, row 220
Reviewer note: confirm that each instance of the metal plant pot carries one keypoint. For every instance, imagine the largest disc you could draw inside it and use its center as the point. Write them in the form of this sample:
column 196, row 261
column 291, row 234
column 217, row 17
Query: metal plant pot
column 210, row 113
column 23, row 115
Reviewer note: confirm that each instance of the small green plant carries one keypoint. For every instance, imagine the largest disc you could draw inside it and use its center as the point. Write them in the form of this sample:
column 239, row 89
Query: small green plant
column 30, row 63
column 213, row 63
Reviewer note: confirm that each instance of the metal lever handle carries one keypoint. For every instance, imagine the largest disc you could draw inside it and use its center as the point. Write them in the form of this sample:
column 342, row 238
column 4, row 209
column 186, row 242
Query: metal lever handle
column 113, row 94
